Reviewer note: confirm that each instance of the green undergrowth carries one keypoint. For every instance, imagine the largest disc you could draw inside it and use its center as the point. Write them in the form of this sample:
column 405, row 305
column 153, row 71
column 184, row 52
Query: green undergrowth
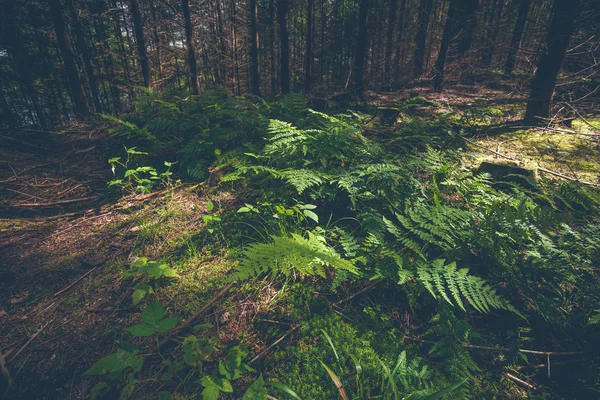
column 387, row 266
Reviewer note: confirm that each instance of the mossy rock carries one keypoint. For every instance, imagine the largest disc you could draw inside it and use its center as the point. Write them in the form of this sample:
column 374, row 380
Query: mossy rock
column 510, row 172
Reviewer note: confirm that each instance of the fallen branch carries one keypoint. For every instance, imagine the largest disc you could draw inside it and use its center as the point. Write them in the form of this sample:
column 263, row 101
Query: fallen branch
column 365, row 289
column 55, row 203
column 520, row 381
column 76, row 281
column 503, row 349
column 35, row 335
column 7, row 379
column 262, row 353
column 197, row 314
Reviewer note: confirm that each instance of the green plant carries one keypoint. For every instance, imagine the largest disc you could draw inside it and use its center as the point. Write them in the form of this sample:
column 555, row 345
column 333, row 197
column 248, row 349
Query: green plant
column 140, row 179
column 154, row 270
column 154, row 321
column 286, row 254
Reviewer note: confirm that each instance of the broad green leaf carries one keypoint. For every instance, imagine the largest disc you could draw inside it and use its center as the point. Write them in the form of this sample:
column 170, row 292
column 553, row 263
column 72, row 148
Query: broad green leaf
column 210, row 393
column 109, row 363
column 311, row 215
column 256, row 391
column 210, row 206
column 170, row 273
column 153, row 313
column 141, row 330
column 166, row 324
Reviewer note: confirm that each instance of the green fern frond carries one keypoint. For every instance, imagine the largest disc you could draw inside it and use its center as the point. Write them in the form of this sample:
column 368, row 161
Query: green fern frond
column 445, row 280
column 308, row 256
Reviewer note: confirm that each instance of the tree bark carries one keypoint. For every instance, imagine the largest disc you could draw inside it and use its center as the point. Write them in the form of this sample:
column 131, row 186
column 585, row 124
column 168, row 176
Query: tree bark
column 191, row 52
column 85, row 54
column 109, row 69
column 138, row 31
column 460, row 23
column 62, row 38
column 361, row 48
column 421, row 37
column 389, row 45
column 284, row 63
column 271, row 24
column 517, row 34
column 308, row 52
column 7, row 114
column 544, row 81
column 492, row 33
column 254, row 74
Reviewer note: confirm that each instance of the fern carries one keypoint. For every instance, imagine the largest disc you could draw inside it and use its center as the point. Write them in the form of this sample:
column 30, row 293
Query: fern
column 308, row 256
column 456, row 285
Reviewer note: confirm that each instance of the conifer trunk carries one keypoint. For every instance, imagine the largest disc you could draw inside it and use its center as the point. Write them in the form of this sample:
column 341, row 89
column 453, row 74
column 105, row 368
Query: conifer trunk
column 544, row 81
column 515, row 42
column 284, row 63
column 191, row 52
column 62, row 38
column 138, row 31
column 254, row 74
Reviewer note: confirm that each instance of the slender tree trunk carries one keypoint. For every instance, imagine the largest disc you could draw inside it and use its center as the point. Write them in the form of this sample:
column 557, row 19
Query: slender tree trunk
column 222, row 47
column 7, row 114
column 254, row 75
column 157, row 44
column 440, row 63
column 191, row 52
column 62, row 38
column 399, row 34
column 361, row 48
column 517, row 34
column 389, row 45
column 138, row 31
column 284, row 62
column 544, row 81
column 236, row 64
column 466, row 24
column 271, row 24
column 308, row 52
column 85, row 54
column 99, row 9
column 421, row 37
column 493, row 29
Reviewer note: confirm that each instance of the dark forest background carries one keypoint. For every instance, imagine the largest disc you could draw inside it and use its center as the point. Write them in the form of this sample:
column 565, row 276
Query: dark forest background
column 65, row 59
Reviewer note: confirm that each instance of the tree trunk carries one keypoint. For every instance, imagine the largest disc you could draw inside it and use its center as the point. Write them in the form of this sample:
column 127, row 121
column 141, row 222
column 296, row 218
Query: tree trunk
column 440, row 63
column 157, row 43
column 109, row 69
column 361, row 48
column 138, row 31
column 284, row 63
column 191, row 53
column 421, row 37
column 7, row 114
column 398, row 56
column 493, row 29
column 389, row 45
column 254, row 75
column 308, row 52
column 466, row 24
column 544, row 81
column 271, row 24
column 515, row 42
column 62, row 38
column 85, row 54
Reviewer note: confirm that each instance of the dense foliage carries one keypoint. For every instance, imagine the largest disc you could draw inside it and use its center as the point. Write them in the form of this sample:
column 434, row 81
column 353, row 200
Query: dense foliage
column 481, row 268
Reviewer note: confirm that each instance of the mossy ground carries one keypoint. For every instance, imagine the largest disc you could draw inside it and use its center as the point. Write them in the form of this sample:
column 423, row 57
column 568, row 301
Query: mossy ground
column 41, row 257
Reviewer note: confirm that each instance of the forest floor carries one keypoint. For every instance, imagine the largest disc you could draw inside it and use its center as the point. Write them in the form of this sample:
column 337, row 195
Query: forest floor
column 64, row 243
